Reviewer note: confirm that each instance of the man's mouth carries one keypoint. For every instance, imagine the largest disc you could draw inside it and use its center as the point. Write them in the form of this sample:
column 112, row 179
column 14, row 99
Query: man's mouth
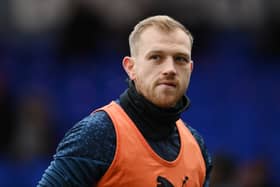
column 169, row 84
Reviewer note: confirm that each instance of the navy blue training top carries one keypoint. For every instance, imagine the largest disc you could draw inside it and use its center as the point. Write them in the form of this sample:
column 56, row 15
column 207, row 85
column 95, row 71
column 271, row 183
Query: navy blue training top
column 87, row 149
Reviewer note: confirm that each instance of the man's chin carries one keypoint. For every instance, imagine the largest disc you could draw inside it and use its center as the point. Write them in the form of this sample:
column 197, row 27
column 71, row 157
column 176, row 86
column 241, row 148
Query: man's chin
column 163, row 103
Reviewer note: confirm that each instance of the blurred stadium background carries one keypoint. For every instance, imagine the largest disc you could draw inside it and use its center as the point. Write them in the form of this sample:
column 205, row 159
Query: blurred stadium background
column 61, row 59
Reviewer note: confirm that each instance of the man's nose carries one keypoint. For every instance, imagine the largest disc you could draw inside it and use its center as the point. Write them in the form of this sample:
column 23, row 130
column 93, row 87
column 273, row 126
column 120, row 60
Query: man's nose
column 169, row 66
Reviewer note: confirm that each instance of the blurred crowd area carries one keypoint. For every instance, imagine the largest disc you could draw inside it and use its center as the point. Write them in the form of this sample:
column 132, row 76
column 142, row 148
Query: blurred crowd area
column 59, row 60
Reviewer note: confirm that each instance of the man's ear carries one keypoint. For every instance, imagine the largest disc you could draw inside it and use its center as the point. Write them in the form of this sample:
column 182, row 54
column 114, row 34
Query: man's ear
column 128, row 65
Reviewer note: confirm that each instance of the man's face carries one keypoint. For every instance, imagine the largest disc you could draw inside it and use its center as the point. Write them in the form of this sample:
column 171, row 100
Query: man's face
column 162, row 66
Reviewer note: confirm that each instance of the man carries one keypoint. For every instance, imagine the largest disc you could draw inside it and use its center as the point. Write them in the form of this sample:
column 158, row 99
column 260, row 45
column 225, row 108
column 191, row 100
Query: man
column 139, row 140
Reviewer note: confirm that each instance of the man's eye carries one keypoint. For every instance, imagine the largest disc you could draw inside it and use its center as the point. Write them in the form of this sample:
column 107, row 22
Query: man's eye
column 155, row 57
column 181, row 59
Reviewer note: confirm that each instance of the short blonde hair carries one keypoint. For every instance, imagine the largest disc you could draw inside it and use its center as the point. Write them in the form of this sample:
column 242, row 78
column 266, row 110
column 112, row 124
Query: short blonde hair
column 162, row 22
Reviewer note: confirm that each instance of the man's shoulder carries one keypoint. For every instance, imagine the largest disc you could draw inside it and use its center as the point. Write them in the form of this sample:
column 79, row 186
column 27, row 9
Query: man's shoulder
column 198, row 137
column 92, row 131
column 194, row 132
column 95, row 122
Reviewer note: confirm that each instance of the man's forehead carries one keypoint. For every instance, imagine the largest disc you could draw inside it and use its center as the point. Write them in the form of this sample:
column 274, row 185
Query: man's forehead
column 153, row 38
column 154, row 34
column 165, row 41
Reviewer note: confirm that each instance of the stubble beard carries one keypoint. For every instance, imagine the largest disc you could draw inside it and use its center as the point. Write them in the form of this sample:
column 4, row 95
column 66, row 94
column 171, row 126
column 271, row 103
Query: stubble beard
column 165, row 98
column 157, row 96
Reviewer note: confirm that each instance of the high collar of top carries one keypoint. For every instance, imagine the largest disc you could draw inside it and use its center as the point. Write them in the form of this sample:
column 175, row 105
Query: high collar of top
column 153, row 122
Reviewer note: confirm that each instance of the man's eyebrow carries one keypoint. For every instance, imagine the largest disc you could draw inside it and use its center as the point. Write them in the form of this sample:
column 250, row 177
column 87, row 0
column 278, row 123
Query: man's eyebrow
column 154, row 51
column 186, row 55
column 183, row 54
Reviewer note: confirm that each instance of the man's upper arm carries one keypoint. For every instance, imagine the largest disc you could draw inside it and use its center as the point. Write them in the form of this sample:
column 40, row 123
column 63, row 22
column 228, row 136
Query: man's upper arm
column 84, row 154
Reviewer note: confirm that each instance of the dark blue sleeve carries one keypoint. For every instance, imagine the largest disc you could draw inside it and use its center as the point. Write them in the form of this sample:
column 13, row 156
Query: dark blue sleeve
column 205, row 153
column 84, row 154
